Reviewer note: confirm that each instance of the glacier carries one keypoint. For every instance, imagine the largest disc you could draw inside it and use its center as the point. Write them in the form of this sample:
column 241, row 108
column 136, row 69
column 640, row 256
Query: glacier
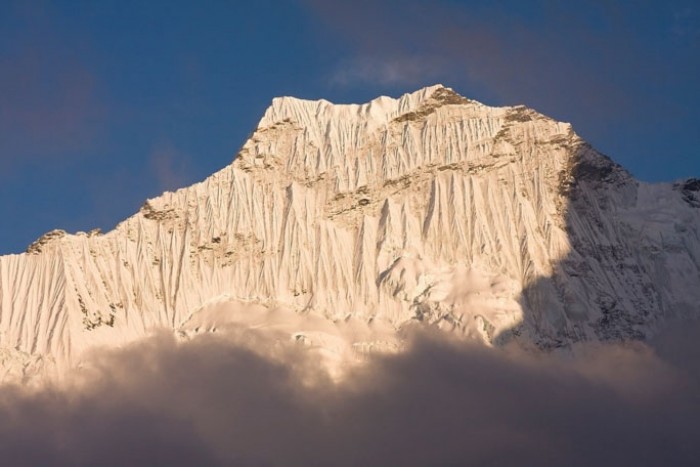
column 341, row 225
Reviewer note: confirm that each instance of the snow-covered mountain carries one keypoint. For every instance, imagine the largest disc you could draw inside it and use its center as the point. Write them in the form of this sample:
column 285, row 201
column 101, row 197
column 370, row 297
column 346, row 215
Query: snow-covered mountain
column 341, row 224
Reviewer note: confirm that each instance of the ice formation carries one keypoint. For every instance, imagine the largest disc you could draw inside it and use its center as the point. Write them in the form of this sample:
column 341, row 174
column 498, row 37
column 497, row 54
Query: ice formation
column 342, row 224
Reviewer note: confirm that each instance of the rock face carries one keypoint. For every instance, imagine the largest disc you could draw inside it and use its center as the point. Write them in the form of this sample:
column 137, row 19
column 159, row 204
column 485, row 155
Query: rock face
column 499, row 223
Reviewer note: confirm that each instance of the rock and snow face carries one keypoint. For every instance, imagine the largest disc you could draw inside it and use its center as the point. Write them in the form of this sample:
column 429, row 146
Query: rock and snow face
column 498, row 223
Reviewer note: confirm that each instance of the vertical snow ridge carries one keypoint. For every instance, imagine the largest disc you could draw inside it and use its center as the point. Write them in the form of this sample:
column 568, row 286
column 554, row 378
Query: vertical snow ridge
column 311, row 113
column 496, row 222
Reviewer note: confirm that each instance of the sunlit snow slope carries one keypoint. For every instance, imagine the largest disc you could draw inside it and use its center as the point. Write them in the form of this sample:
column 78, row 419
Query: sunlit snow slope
column 494, row 222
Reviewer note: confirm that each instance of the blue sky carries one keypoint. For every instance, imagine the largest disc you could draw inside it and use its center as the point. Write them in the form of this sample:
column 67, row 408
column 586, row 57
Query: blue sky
column 104, row 104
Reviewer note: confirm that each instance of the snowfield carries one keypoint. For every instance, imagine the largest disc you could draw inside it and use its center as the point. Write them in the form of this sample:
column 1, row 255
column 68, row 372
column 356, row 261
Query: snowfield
column 341, row 225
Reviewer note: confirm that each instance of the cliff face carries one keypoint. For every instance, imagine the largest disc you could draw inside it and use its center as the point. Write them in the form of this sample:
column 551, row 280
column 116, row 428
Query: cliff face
column 494, row 222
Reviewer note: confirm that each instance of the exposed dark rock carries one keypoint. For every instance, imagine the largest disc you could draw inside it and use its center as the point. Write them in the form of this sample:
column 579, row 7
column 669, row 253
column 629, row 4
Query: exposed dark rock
column 37, row 246
column 149, row 212
column 439, row 98
column 690, row 191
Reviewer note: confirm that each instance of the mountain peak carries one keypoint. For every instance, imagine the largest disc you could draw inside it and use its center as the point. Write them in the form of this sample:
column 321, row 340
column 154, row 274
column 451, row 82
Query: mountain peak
column 339, row 220
column 380, row 109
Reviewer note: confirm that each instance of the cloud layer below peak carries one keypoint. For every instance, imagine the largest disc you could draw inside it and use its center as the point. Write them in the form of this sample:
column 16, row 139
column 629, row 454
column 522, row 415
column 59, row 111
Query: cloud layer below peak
column 239, row 397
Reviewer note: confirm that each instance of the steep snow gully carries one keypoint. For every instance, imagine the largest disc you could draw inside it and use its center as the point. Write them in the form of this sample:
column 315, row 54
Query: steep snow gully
column 342, row 224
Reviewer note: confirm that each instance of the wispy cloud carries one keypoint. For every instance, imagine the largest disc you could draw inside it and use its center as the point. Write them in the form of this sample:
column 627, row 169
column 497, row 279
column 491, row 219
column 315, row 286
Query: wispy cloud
column 169, row 166
column 551, row 56
column 49, row 101
column 686, row 25
column 388, row 71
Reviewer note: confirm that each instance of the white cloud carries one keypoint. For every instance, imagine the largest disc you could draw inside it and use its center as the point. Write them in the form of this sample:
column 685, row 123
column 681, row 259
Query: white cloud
column 386, row 71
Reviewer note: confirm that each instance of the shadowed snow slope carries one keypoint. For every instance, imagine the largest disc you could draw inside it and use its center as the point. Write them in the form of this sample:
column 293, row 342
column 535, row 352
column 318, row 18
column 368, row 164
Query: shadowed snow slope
column 497, row 223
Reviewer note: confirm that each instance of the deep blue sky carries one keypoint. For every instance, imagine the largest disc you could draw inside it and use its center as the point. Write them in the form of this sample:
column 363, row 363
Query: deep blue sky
column 103, row 104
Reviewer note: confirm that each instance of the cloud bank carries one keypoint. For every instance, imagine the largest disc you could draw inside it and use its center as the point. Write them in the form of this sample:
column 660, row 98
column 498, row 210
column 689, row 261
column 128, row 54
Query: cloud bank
column 243, row 398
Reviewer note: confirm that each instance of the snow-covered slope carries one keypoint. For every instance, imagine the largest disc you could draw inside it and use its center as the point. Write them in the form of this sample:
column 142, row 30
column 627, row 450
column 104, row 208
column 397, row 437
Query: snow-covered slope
column 494, row 222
